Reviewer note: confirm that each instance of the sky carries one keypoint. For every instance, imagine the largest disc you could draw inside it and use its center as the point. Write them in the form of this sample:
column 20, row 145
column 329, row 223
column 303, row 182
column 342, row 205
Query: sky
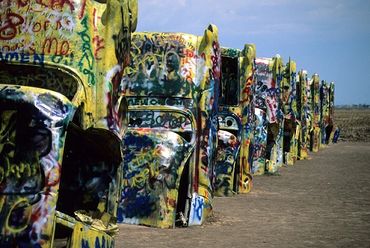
column 328, row 37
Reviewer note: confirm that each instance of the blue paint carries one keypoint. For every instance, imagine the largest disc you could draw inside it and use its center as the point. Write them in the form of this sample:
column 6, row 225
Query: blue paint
column 139, row 204
column 100, row 242
column 84, row 244
column 196, row 211
column 336, row 135
column 137, row 142
column 37, row 59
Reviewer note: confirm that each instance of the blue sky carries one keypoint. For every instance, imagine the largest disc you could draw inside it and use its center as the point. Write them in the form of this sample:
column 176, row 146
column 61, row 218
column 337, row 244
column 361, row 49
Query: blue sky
column 328, row 37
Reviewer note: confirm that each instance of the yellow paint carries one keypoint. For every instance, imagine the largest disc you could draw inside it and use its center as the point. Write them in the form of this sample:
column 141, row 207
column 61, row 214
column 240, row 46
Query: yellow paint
column 209, row 39
column 27, row 211
column 89, row 40
column 86, row 236
column 83, row 44
column 246, row 80
column 315, row 91
column 2, row 202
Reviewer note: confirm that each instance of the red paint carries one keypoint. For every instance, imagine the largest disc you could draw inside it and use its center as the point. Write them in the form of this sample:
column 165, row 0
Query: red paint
column 82, row 11
column 56, row 4
column 99, row 44
column 9, row 29
column 54, row 46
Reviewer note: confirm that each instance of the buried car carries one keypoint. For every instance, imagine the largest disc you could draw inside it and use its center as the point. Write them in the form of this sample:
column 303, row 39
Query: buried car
column 236, row 121
column 171, row 88
column 292, row 124
column 268, row 135
column 61, row 120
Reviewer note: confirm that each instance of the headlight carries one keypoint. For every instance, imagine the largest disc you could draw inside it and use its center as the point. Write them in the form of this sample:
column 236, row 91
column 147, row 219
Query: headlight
column 52, row 106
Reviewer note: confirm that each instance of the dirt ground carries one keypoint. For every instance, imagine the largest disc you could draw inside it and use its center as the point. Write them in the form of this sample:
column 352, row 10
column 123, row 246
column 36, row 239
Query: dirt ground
column 353, row 123
column 321, row 202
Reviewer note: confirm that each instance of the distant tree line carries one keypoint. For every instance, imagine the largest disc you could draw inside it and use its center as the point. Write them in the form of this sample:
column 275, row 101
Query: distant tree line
column 353, row 106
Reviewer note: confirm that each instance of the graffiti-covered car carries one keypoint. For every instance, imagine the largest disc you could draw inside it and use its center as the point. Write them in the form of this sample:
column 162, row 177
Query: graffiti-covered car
column 236, row 121
column 171, row 88
column 328, row 127
column 315, row 132
column 304, row 114
column 268, row 141
column 325, row 112
column 292, row 124
column 61, row 120
column 332, row 131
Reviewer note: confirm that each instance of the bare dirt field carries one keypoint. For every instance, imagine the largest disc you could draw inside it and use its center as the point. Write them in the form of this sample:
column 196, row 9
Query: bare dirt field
column 354, row 124
column 321, row 202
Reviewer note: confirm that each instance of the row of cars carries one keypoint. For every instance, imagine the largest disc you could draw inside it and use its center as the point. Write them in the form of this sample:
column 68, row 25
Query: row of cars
column 100, row 126
column 204, row 119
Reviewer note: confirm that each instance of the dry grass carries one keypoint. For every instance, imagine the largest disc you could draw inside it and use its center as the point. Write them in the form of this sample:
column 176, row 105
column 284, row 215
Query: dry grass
column 354, row 124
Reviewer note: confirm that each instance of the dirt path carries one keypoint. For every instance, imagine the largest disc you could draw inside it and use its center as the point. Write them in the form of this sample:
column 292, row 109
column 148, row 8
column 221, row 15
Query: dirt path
column 322, row 202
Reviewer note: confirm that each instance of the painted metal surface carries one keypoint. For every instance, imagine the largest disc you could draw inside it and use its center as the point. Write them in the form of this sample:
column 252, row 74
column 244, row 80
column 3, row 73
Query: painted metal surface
column 304, row 115
column 32, row 134
column 268, row 153
column 236, row 121
column 171, row 87
column 333, row 130
column 325, row 112
column 328, row 127
column 86, row 237
column 229, row 121
column 248, row 84
column 316, row 113
column 78, row 49
column 292, row 124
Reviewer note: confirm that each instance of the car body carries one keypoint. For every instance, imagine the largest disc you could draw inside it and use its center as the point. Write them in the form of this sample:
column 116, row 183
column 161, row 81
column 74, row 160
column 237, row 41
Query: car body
column 333, row 130
column 268, row 153
column 315, row 134
column 304, row 114
column 236, row 121
column 291, row 122
column 328, row 127
column 171, row 87
column 61, row 120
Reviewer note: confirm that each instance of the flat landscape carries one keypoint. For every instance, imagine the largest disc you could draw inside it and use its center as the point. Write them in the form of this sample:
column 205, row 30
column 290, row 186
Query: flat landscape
column 354, row 124
column 320, row 202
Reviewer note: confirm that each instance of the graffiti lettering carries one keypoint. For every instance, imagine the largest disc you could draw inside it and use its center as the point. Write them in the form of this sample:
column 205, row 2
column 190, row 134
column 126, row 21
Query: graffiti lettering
column 196, row 212
column 54, row 22
column 39, row 5
column 177, row 102
column 96, row 18
column 66, row 60
column 99, row 44
column 7, row 3
column 55, row 46
column 158, row 119
column 216, row 60
column 12, row 48
column 83, row 7
column 100, row 242
column 21, row 170
column 9, row 169
column 168, row 120
column 56, row 4
column 9, row 28
column 37, row 59
column 36, row 76
column 87, row 62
